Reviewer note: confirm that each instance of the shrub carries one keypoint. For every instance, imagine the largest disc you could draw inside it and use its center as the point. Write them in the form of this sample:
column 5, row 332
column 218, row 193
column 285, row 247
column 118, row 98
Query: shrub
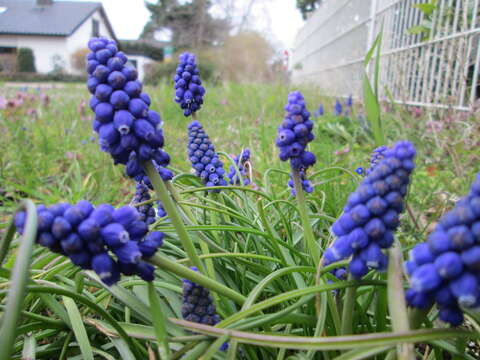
column 78, row 59
column 25, row 60
column 142, row 48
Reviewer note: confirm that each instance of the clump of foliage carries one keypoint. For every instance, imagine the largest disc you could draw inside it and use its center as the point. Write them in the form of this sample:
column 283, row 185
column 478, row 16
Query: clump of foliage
column 248, row 258
column 25, row 60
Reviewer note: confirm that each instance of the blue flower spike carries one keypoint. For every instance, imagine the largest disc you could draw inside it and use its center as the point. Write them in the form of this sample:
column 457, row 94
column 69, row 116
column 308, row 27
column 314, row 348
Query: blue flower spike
column 198, row 305
column 371, row 215
column 377, row 155
column 444, row 269
column 189, row 91
column 204, row 159
column 294, row 134
column 337, row 108
column 241, row 161
column 103, row 239
column 127, row 129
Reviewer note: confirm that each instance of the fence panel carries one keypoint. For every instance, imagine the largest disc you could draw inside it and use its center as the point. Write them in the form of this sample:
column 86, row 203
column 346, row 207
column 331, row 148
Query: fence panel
column 436, row 65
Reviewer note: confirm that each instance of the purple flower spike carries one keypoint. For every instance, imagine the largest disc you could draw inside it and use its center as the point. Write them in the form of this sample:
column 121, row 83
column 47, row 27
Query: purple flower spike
column 444, row 269
column 189, row 91
column 241, row 161
column 203, row 157
column 198, row 305
column 126, row 127
column 109, row 241
column 371, row 215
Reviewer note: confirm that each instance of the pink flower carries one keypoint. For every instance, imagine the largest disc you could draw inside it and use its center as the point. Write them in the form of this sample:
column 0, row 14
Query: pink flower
column 342, row 151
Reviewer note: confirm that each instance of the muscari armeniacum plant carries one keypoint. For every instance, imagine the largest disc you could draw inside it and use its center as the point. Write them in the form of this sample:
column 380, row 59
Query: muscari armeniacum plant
column 107, row 240
column 189, row 91
column 128, row 130
column 204, row 159
column 241, row 162
column 366, row 227
column 294, row 134
column 445, row 269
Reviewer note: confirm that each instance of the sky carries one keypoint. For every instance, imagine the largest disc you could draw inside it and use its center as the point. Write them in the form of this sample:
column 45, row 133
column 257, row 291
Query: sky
column 278, row 20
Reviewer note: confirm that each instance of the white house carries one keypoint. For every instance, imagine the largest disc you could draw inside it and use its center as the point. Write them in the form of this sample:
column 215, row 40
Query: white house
column 55, row 31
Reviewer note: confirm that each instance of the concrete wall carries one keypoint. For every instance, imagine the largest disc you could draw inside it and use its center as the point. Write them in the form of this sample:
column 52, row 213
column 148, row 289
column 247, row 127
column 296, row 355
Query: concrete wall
column 328, row 48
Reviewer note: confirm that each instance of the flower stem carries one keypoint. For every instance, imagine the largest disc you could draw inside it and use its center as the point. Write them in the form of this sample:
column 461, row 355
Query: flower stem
column 172, row 212
column 396, row 300
column 348, row 310
column 164, row 263
column 307, row 226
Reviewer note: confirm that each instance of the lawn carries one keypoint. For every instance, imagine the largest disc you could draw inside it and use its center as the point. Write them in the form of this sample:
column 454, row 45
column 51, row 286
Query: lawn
column 49, row 154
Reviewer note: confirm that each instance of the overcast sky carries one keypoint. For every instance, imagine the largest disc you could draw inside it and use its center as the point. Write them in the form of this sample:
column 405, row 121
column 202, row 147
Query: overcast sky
column 278, row 20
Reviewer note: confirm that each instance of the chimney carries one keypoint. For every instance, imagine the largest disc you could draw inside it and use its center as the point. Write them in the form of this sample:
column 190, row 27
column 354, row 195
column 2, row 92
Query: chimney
column 44, row 2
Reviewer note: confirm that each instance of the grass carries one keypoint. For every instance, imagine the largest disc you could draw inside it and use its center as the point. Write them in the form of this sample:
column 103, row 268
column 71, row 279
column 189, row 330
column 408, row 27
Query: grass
column 255, row 237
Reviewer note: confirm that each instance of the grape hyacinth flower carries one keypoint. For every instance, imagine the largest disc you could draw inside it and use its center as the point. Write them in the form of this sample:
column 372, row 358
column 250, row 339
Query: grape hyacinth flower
column 371, row 214
column 203, row 157
column 189, row 91
column 306, row 184
column 198, row 305
column 320, row 111
column 377, row 155
column 349, row 101
column 147, row 211
column 128, row 130
column 241, row 161
column 444, row 269
column 360, row 171
column 295, row 133
column 107, row 240
column 338, row 108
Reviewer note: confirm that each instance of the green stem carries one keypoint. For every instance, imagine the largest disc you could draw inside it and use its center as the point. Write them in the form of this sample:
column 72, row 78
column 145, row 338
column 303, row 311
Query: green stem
column 172, row 212
column 166, row 264
column 348, row 310
column 307, row 226
column 396, row 300
column 191, row 218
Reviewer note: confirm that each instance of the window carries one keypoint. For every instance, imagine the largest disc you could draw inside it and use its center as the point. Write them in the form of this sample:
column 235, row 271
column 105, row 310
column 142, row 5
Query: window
column 7, row 50
column 95, row 28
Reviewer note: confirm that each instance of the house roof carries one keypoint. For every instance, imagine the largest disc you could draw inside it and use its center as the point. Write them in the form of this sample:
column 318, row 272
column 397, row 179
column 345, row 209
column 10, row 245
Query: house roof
column 61, row 18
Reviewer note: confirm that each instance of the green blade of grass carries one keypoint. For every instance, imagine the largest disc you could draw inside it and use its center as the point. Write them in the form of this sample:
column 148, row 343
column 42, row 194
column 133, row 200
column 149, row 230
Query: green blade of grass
column 18, row 281
column 158, row 319
column 78, row 328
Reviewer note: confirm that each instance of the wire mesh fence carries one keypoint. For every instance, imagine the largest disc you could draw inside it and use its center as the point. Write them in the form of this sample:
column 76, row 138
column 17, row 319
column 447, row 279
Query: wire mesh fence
column 430, row 50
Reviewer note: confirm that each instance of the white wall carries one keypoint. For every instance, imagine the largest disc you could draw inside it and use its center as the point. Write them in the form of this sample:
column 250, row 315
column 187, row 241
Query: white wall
column 79, row 39
column 141, row 62
column 329, row 48
column 46, row 48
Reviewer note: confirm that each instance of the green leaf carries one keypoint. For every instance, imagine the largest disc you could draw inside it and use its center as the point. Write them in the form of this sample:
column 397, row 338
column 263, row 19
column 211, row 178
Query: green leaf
column 18, row 281
column 158, row 320
column 427, row 9
column 329, row 342
column 78, row 328
column 213, row 349
column 29, row 347
column 419, row 29
column 372, row 109
column 358, row 354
